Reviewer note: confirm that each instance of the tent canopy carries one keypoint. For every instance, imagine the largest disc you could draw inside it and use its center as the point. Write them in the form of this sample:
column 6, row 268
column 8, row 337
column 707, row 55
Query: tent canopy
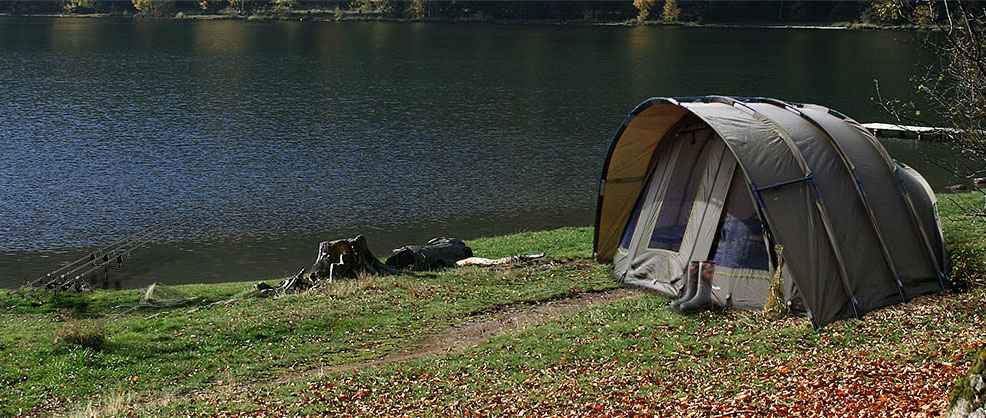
column 724, row 179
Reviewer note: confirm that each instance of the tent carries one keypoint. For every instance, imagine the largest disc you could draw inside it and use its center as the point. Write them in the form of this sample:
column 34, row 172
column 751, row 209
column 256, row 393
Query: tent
column 725, row 179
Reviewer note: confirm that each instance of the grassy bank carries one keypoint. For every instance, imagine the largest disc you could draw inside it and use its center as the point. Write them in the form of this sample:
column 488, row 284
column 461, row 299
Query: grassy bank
column 150, row 353
column 640, row 358
column 628, row 357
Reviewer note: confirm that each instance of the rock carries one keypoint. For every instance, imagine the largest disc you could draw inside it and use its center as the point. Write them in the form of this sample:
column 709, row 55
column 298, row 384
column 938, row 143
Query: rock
column 959, row 410
column 976, row 383
column 979, row 413
column 180, row 15
column 437, row 253
column 979, row 182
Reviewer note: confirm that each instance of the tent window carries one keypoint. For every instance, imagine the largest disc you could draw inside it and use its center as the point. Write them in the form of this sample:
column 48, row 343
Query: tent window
column 676, row 206
column 739, row 239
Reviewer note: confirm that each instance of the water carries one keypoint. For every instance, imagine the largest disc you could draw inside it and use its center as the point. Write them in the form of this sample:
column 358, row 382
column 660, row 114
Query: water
column 277, row 135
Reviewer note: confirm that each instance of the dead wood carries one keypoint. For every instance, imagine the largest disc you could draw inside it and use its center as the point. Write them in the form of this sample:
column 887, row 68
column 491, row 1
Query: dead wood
column 480, row 261
column 435, row 254
column 345, row 258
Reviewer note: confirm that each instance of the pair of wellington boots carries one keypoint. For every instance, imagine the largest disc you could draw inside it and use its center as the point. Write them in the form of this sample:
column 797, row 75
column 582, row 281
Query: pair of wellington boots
column 697, row 294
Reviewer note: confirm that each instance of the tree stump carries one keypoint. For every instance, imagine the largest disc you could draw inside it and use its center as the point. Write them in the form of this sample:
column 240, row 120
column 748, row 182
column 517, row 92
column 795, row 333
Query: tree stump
column 435, row 254
column 346, row 258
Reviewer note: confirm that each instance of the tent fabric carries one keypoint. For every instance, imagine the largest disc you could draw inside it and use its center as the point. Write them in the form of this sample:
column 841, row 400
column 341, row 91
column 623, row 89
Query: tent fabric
column 926, row 205
column 724, row 179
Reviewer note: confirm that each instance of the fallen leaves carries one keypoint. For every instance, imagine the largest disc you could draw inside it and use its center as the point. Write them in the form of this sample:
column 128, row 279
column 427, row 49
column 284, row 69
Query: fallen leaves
column 900, row 362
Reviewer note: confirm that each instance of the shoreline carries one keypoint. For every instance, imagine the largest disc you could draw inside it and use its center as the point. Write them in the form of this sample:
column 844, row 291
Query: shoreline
column 323, row 16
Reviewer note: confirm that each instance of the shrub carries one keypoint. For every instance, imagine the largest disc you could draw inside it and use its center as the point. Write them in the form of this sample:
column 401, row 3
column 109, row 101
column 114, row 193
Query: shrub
column 968, row 265
column 775, row 307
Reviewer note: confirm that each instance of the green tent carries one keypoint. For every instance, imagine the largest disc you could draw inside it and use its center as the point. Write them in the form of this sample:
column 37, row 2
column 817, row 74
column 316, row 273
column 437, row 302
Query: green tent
column 724, row 179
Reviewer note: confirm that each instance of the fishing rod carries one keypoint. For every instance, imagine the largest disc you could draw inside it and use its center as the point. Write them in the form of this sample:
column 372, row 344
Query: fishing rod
column 89, row 257
column 119, row 250
column 79, row 280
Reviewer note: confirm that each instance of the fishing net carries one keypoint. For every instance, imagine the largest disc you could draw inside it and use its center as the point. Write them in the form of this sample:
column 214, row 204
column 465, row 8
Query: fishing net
column 158, row 295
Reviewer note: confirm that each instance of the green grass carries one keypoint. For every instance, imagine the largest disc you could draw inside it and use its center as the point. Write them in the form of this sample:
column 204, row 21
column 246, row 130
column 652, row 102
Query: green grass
column 965, row 236
column 181, row 349
column 640, row 356
column 637, row 354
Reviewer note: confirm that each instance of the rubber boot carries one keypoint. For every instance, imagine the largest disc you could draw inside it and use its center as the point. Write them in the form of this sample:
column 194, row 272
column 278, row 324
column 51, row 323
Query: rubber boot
column 691, row 284
column 703, row 295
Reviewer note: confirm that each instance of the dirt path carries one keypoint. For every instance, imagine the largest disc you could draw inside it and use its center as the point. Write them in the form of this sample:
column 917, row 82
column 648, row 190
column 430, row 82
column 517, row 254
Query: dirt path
column 468, row 334
column 478, row 330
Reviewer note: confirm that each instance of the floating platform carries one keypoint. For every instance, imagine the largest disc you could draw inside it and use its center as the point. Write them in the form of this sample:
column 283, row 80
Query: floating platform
column 890, row 130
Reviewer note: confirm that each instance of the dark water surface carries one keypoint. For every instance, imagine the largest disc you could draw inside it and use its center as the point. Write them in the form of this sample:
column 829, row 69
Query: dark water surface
column 277, row 135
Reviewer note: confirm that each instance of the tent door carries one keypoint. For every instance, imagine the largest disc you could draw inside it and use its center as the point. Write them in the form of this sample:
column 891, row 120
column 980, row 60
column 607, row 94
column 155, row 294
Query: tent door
column 679, row 218
column 709, row 203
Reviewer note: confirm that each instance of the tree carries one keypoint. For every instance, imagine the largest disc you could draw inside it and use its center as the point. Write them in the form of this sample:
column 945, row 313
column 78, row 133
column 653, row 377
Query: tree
column 644, row 6
column 671, row 11
column 371, row 6
column 283, row 6
column 958, row 91
column 955, row 88
column 154, row 7
column 212, row 6
column 416, row 9
column 73, row 6
column 886, row 12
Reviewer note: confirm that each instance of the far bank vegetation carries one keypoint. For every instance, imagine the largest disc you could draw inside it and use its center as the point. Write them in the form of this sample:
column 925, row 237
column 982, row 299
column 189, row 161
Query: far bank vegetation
column 871, row 13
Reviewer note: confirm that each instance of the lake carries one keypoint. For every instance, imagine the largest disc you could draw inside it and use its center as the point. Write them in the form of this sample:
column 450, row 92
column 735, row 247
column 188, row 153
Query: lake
column 272, row 136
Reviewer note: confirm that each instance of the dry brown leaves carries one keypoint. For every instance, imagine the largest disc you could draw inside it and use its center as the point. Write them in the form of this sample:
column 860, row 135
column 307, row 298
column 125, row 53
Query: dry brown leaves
column 900, row 362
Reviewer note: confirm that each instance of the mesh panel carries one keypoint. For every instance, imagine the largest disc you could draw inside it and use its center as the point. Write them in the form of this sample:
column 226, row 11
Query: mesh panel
column 159, row 295
column 739, row 239
column 631, row 225
column 676, row 206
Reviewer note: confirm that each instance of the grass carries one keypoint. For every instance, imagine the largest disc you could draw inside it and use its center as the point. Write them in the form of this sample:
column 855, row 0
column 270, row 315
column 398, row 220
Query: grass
column 965, row 236
column 639, row 357
column 636, row 357
column 158, row 352
column 82, row 334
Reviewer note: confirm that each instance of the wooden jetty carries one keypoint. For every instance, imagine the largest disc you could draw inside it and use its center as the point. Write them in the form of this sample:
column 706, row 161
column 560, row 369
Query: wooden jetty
column 891, row 130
